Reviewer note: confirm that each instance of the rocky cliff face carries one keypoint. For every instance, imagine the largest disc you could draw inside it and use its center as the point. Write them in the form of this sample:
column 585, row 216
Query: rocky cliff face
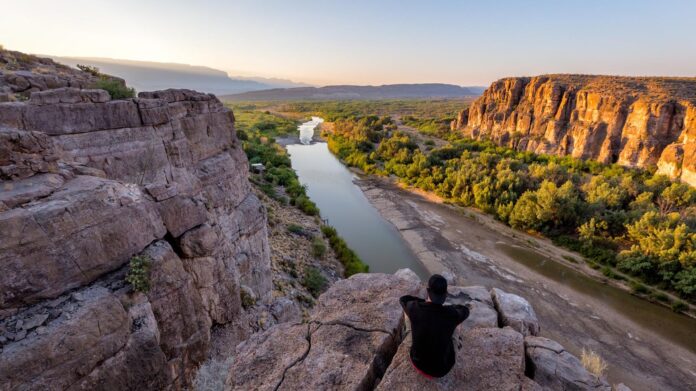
column 631, row 121
column 357, row 339
column 88, row 182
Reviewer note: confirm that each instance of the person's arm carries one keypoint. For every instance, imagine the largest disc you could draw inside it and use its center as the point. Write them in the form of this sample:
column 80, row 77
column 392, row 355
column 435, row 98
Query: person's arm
column 405, row 302
column 463, row 312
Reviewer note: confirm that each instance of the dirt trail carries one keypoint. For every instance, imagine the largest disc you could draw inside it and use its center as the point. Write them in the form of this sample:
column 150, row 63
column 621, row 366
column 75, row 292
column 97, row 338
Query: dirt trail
column 446, row 239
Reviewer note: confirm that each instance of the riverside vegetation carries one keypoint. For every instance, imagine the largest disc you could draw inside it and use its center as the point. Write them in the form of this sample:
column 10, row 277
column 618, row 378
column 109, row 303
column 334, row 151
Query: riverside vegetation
column 623, row 221
column 258, row 130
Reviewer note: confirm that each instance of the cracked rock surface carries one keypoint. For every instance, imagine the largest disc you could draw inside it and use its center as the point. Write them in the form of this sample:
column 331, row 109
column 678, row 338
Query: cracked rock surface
column 86, row 183
column 357, row 339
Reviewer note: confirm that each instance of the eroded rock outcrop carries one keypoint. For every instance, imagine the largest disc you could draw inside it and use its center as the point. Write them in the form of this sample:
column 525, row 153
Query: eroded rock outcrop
column 357, row 339
column 86, row 183
column 632, row 121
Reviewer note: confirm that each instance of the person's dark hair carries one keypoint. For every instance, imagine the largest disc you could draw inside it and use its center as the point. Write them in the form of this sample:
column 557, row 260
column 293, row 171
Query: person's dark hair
column 437, row 289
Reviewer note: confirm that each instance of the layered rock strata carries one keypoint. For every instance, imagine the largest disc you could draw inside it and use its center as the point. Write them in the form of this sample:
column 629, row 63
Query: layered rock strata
column 632, row 121
column 358, row 339
column 86, row 183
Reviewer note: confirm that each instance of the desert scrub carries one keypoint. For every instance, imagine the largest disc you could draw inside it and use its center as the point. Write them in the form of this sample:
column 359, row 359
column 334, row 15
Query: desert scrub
column 350, row 260
column 139, row 273
column 318, row 248
column 314, row 281
column 679, row 306
column 593, row 362
column 637, row 287
column 296, row 229
column 246, row 299
column 115, row 88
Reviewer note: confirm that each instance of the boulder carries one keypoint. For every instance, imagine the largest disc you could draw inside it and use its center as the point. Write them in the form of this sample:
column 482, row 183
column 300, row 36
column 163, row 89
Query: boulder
column 199, row 242
column 71, row 347
column 487, row 359
column 481, row 310
column 262, row 361
column 554, row 368
column 365, row 302
column 90, row 226
column 516, row 312
column 355, row 330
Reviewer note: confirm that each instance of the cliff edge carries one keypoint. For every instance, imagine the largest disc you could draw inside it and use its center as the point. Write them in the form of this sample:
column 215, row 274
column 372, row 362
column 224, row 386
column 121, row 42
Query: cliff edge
column 632, row 121
column 357, row 339
column 89, row 182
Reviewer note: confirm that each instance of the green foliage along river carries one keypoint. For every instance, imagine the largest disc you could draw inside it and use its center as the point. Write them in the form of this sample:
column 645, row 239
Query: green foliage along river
column 622, row 220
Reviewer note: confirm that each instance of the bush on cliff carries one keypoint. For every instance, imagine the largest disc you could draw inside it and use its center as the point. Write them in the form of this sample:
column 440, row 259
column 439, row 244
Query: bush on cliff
column 115, row 88
column 314, row 281
column 139, row 273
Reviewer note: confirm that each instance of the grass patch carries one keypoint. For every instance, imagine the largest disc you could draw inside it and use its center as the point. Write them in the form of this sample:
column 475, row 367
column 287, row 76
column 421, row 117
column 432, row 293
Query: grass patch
column 296, row 229
column 679, row 306
column 637, row 287
column 314, row 281
column 318, row 248
column 350, row 260
column 593, row 362
column 659, row 296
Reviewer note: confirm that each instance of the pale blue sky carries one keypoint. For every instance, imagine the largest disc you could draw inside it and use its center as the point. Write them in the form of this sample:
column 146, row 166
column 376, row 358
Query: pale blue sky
column 368, row 42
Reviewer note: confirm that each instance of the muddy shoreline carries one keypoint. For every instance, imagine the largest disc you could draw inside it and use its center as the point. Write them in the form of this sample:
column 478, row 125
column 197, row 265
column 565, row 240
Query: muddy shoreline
column 471, row 247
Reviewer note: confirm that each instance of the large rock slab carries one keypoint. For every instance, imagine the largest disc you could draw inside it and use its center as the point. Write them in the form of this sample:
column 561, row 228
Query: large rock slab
column 487, row 359
column 89, row 227
column 366, row 302
column 353, row 333
column 262, row 360
column 69, row 348
column 481, row 310
column 342, row 358
column 516, row 312
column 554, row 368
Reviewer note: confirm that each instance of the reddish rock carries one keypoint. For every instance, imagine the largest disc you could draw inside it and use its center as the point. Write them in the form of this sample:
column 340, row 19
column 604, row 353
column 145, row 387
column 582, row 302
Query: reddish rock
column 625, row 120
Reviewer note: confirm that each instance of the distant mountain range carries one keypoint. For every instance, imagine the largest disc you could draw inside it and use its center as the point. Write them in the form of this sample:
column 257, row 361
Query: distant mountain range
column 150, row 76
column 347, row 92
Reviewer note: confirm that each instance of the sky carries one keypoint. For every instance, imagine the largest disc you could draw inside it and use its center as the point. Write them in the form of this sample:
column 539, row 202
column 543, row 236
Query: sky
column 368, row 41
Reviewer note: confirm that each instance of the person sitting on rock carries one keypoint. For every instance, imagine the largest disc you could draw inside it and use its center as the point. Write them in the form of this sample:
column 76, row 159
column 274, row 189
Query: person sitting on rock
column 432, row 325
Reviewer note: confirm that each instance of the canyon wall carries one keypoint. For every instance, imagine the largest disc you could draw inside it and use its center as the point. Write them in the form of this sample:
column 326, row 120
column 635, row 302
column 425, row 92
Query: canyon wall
column 88, row 182
column 632, row 121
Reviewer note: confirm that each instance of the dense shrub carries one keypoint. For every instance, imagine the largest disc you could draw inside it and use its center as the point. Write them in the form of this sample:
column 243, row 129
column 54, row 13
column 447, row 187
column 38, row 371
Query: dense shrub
column 318, row 248
column 139, row 273
column 314, row 281
column 642, row 223
column 115, row 88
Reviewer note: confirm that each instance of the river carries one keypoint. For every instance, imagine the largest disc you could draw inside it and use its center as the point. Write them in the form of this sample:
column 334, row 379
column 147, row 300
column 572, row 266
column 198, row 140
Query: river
column 648, row 346
column 330, row 185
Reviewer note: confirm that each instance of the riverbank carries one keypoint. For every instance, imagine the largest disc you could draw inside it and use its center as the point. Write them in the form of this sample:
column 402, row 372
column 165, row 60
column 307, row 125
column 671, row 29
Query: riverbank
column 646, row 348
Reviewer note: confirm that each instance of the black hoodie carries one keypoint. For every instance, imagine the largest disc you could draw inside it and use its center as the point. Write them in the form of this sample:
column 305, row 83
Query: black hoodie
column 432, row 326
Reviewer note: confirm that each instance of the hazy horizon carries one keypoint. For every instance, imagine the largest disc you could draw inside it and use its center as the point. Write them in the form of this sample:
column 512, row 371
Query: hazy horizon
column 368, row 43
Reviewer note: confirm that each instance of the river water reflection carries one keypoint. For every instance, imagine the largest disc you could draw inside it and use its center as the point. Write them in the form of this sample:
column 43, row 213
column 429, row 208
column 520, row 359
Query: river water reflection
column 330, row 185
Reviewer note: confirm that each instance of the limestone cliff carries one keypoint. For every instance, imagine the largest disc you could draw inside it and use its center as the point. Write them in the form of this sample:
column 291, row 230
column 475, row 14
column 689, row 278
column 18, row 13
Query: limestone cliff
column 357, row 339
column 632, row 121
column 86, row 183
